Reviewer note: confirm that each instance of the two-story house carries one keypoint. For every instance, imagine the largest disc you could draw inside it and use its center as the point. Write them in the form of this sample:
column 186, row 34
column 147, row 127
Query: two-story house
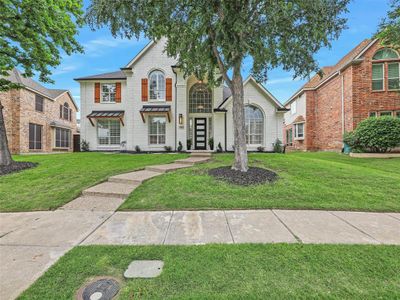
column 150, row 104
column 38, row 119
column 364, row 83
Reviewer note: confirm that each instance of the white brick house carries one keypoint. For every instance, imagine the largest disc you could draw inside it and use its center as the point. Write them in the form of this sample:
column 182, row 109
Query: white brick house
column 149, row 103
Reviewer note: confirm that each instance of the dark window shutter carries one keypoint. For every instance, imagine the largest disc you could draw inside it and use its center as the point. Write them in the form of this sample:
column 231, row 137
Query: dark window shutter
column 61, row 111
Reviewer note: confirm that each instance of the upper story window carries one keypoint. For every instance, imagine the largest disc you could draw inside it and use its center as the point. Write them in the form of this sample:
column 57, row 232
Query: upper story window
column 200, row 99
column 293, row 107
column 66, row 111
column 157, row 85
column 380, row 59
column 39, row 103
column 108, row 92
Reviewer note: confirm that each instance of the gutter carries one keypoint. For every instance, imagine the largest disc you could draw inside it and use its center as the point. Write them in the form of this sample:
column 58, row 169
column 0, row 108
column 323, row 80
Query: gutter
column 176, row 107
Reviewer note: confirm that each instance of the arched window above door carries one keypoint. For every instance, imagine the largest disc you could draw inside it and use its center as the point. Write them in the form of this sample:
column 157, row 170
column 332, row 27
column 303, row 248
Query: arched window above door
column 200, row 99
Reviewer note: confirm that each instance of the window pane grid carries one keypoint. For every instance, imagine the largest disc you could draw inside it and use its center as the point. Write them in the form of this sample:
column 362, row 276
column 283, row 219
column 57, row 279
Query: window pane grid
column 394, row 76
column 108, row 91
column 108, row 132
column 254, row 125
column 157, row 128
column 35, row 136
column 157, row 85
column 200, row 99
column 62, row 138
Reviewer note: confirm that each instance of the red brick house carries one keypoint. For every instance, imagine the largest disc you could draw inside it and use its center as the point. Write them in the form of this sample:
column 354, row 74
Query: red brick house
column 364, row 83
column 38, row 119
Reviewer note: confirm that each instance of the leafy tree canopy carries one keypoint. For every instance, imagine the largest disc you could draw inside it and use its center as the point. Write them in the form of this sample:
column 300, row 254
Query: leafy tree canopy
column 209, row 34
column 31, row 33
column 389, row 29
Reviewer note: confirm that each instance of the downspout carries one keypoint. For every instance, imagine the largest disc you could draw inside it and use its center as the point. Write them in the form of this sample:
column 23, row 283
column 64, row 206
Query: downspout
column 176, row 107
column 225, row 131
column 342, row 99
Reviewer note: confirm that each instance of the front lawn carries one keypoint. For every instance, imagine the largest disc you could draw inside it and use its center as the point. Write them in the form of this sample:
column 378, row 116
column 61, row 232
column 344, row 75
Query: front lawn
column 59, row 178
column 279, row 271
column 307, row 181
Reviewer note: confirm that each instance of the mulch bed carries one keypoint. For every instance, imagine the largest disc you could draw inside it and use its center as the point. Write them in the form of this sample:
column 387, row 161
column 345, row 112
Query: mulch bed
column 253, row 176
column 16, row 166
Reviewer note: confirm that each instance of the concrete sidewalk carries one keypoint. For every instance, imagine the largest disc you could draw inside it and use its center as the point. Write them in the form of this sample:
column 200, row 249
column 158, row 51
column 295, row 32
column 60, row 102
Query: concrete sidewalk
column 31, row 242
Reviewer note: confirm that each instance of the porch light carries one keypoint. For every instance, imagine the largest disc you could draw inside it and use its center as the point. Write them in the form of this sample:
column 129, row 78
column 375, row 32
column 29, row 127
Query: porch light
column 180, row 119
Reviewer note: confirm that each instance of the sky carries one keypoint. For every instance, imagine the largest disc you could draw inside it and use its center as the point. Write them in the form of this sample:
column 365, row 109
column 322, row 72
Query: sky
column 103, row 53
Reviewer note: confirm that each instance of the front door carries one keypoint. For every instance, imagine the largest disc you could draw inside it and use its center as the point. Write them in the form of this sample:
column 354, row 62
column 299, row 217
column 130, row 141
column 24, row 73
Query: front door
column 200, row 133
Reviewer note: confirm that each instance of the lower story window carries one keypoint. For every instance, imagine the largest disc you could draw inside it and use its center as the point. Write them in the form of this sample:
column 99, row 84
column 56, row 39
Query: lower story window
column 63, row 138
column 108, row 132
column 372, row 114
column 299, row 131
column 157, row 130
column 289, row 137
column 385, row 113
column 398, row 114
column 35, row 136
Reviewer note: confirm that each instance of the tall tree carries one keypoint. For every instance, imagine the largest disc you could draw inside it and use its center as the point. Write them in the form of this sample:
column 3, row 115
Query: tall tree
column 206, row 35
column 389, row 29
column 32, row 33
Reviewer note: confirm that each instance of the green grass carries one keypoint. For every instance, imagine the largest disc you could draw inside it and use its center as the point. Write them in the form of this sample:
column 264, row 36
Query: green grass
column 307, row 181
column 279, row 271
column 59, row 178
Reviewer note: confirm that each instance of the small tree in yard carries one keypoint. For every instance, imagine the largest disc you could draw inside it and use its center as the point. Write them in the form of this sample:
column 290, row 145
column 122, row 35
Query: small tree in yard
column 31, row 33
column 210, row 35
column 389, row 29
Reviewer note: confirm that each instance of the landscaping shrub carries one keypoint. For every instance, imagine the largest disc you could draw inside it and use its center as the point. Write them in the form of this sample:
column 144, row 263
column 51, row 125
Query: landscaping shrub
column 219, row 147
column 180, row 146
column 84, row 146
column 189, row 144
column 211, row 143
column 278, row 146
column 168, row 148
column 260, row 149
column 137, row 149
column 374, row 135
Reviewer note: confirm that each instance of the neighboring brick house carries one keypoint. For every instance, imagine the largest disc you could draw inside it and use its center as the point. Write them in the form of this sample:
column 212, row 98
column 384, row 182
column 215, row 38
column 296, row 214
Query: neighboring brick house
column 38, row 119
column 363, row 83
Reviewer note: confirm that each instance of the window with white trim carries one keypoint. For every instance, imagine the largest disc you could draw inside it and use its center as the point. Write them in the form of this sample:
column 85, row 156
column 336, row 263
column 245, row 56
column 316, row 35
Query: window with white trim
column 157, row 85
column 372, row 114
column 157, row 128
column 39, row 103
column 108, row 132
column 393, row 76
column 299, row 131
column 200, row 99
column 385, row 114
column 254, row 125
column 397, row 113
column 108, row 91
column 378, row 77
column 63, row 137
column 293, row 107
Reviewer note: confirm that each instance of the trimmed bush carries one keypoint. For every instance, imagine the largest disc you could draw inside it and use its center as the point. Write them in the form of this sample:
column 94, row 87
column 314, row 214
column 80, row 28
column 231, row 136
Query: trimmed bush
column 278, row 146
column 180, row 146
column 375, row 135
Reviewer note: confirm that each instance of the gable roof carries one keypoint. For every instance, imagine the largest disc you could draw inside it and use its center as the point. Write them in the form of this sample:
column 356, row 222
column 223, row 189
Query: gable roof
column 105, row 76
column 140, row 54
column 330, row 71
column 228, row 93
column 16, row 76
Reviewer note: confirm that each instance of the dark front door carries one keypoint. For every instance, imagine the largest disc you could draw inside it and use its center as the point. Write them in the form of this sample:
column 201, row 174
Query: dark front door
column 200, row 136
column 77, row 143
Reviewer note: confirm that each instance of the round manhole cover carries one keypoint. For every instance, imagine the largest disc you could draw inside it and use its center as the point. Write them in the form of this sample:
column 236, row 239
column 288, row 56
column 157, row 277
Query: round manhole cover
column 101, row 289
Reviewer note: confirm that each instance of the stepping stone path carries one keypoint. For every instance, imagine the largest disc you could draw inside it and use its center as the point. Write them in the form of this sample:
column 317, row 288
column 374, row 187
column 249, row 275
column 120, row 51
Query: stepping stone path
column 109, row 195
column 144, row 269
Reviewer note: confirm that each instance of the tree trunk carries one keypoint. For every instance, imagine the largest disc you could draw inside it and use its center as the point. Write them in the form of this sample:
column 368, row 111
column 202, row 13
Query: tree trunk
column 241, row 160
column 5, row 156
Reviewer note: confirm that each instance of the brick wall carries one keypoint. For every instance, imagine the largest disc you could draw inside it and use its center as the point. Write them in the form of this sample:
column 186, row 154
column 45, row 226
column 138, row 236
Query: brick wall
column 19, row 111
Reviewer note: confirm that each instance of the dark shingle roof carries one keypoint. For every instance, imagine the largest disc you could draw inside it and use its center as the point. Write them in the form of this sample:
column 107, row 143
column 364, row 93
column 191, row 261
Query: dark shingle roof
column 111, row 75
column 16, row 76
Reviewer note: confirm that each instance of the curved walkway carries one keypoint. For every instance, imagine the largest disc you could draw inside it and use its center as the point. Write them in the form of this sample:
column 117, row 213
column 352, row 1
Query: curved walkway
column 31, row 242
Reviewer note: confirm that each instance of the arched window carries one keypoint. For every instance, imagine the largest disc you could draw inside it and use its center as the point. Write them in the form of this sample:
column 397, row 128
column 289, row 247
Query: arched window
column 66, row 111
column 157, row 85
column 254, row 121
column 382, row 63
column 385, row 53
column 200, row 99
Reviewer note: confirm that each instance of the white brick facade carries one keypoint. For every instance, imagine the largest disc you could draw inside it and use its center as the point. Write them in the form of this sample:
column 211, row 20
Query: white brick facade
column 136, row 132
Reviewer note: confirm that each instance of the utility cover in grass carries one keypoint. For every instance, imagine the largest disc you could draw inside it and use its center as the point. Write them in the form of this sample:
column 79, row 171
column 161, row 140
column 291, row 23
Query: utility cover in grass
column 144, row 269
column 253, row 176
column 101, row 289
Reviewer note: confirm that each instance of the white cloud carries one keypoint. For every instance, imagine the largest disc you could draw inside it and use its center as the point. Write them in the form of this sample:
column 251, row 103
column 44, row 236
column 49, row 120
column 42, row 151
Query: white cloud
column 281, row 80
column 98, row 46
column 65, row 69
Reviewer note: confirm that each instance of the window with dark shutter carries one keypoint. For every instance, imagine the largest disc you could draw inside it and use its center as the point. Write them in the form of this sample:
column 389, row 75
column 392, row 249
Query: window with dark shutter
column 61, row 111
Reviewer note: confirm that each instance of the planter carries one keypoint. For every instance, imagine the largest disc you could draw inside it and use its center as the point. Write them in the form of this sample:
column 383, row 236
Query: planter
column 375, row 155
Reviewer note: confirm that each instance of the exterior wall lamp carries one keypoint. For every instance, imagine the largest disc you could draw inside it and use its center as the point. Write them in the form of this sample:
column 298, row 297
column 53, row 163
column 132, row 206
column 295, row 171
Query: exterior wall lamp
column 180, row 119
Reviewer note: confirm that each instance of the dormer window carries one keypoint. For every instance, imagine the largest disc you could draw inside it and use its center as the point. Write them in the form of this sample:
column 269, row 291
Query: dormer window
column 157, row 86
column 382, row 63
